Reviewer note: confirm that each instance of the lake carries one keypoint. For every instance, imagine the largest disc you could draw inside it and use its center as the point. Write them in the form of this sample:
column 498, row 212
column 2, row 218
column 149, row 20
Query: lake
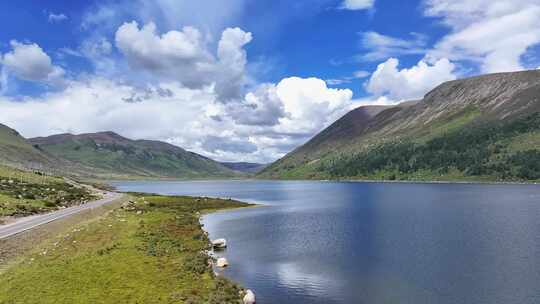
column 347, row 242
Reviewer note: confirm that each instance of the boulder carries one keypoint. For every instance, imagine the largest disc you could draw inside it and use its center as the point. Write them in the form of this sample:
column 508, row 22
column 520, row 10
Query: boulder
column 222, row 262
column 249, row 298
column 219, row 243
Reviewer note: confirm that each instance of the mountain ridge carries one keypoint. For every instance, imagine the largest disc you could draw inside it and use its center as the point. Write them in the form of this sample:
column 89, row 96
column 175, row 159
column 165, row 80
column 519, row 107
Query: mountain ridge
column 105, row 155
column 455, row 106
column 116, row 155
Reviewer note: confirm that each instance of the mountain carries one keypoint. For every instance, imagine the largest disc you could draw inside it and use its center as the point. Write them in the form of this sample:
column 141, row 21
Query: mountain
column 16, row 151
column 244, row 167
column 114, row 156
column 480, row 128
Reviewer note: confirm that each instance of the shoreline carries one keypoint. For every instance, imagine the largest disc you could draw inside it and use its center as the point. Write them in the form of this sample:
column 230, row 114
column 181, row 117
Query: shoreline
column 435, row 182
column 465, row 182
column 213, row 254
column 141, row 229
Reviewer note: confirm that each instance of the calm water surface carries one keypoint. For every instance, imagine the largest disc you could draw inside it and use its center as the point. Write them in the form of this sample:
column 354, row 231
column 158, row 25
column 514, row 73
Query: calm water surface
column 332, row 242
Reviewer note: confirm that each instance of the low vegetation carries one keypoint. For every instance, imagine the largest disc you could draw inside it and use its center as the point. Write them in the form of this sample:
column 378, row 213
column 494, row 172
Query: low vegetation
column 111, row 156
column 484, row 152
column 24, row 193
column 152, row 250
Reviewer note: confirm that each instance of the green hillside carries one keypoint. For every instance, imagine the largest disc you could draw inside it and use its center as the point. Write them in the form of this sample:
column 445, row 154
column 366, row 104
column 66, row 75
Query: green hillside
column 114, row 156
column 16, row 151
column 24, row 193
column 484, row 128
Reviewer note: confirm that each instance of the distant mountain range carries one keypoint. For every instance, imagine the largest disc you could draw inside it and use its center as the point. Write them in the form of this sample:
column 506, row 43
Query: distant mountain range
column 115, row 156
column 16, row 151
column 244, row 167
column 106, row 155
column 480, row 128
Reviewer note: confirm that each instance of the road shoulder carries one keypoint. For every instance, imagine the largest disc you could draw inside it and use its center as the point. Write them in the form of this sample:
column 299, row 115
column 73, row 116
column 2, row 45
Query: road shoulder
column 19, row 245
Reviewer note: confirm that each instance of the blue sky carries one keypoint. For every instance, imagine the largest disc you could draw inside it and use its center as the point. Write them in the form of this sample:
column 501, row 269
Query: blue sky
column 242, row 79
column 305, row 39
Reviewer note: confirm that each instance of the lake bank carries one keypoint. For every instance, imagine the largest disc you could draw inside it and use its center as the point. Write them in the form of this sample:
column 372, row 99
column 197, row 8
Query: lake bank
column 150, row 250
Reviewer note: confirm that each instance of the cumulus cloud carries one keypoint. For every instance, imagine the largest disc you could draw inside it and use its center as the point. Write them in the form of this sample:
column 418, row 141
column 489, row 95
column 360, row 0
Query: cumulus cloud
column 284, row 115
column 232, row 62
column 30, row 62
column 169, row 112
column 264, row 125
column 310, row 105
column 358, row 4
column 145, row 49
column 409, row 83
column 495, row 34
column 262, row 107
column 185, row 56
column 295, row 105
column 196, row 97
column 55, row 18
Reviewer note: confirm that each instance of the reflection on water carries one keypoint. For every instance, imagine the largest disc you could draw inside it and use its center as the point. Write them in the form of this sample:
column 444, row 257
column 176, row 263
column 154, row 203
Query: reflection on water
column 329, row 242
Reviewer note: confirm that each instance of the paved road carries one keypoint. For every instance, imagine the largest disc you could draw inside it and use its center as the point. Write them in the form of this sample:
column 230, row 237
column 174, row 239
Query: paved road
column 37, row 220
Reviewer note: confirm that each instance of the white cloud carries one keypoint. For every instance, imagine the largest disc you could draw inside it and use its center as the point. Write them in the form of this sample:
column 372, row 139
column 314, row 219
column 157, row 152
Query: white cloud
column 412, row 83
column 185, row 56
column 181, row 116
column 262, row 107
column 358, row 4
column 495, row 34
column 30, row 62
column 189, row 90
column 232, row 61
column 310, row 105
column 55, row 18
column 145, row 49
column 381, row 47
column 263, row 126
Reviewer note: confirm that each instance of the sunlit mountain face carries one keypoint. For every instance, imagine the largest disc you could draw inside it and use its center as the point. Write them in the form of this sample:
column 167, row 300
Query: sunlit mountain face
column 242, row 81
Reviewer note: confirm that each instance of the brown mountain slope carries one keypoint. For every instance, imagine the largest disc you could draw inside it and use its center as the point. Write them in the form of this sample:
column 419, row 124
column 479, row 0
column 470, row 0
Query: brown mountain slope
column 451, row 107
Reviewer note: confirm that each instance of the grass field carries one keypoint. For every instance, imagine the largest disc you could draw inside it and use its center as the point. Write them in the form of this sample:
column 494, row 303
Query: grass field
column 25, row 193
column 152, row 251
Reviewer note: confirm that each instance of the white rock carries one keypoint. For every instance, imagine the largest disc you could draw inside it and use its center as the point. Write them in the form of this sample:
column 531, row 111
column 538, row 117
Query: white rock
column 222, row 262
column 249, row 298
column 219, row 243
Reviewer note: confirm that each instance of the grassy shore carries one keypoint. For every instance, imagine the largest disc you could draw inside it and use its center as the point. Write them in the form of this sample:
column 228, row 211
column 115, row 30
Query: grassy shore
column 24, row 193
column 150, row 251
